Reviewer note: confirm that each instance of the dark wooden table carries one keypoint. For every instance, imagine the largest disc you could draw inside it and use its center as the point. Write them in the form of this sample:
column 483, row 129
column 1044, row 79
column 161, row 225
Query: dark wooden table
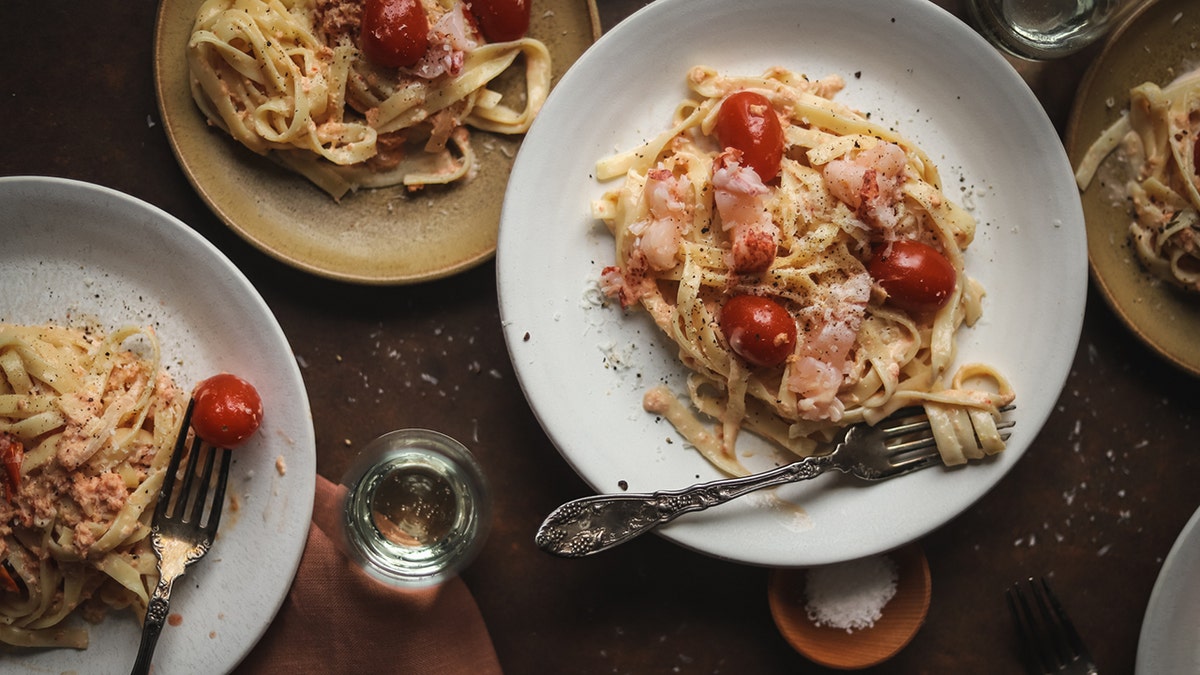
column 1096, row 502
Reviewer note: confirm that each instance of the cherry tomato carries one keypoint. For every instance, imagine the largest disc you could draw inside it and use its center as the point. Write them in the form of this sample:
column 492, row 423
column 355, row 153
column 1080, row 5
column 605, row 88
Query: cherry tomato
column 758, row 329
column 227, row 410
column 501, row 20
column 395, row 33
column 916, row 276
column 747, row 121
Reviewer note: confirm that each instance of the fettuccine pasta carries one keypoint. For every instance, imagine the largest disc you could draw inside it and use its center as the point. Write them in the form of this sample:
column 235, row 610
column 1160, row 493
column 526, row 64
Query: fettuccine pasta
column 288, row 79
column 1157, row 143
column 88, row 423
column 696, row 227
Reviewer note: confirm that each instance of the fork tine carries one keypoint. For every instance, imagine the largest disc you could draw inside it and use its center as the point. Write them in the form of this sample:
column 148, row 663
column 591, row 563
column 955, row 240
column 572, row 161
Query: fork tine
column 910, row 420
column 201, row 497
column 166, row 492
column 1054, row 644
column 214, row 516
column 906, row 447
column 905, row 421
column 189, row 475
column 1047, row 634
column 1071, row 641
column 917, row 454
column 911, row 464
column 916, row 462
column 1031, row 646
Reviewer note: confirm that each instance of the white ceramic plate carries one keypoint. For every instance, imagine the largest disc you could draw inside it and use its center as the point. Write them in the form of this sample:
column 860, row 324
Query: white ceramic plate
column 75, row 250
column 912, row 66
column 1170, row 638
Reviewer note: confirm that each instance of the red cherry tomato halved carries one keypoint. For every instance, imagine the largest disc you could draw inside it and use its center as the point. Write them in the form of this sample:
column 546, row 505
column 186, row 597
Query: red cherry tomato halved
column 747, row 121
column 501, row 20
column 758, row 329
column 916, row 276
column 395, row 33
column 227, row 411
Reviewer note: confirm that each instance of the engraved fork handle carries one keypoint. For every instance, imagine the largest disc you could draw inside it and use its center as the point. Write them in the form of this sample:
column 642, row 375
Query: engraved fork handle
column 174, row 557
column 156, row 615
column 591, row 524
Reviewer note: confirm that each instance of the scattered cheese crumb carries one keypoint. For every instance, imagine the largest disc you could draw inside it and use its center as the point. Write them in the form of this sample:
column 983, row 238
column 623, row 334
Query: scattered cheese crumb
column 280, row 466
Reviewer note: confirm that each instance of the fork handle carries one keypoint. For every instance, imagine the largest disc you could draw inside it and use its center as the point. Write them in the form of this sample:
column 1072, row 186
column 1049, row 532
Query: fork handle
column 156, row 616
column 591, row 524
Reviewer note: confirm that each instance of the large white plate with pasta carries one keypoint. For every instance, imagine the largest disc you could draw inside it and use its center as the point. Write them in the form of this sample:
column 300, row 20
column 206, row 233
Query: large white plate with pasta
column 79, row 251
column 584, row 367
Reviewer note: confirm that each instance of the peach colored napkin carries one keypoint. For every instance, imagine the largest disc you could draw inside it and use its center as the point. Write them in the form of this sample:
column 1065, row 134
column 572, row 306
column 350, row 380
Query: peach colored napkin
column 338, row 619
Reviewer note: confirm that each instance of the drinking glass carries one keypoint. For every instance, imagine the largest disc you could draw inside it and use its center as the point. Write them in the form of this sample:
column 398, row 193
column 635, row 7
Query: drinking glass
column 1045, row 29
column 417, row 508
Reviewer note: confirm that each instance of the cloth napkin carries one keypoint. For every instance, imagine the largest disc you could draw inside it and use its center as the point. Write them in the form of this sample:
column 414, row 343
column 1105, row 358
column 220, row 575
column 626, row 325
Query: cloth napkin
column 338, row 619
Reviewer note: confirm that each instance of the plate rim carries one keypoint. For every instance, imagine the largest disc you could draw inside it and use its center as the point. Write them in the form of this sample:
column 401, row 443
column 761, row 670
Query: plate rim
column 1165, row 597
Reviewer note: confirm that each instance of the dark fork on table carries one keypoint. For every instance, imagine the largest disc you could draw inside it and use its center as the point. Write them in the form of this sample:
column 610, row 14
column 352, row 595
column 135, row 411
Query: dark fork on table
column 1048, row 637
column 180, row 532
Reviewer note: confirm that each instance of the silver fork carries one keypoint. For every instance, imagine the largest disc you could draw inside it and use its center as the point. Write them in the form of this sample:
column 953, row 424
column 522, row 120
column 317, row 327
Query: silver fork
column 895, row 446
column 1049, row 639
column 180, row 533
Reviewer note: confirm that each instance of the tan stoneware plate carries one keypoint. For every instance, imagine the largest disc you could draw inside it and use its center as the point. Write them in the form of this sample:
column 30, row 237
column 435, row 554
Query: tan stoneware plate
column 1157, row 44
column 379, row 237
column 836, row 648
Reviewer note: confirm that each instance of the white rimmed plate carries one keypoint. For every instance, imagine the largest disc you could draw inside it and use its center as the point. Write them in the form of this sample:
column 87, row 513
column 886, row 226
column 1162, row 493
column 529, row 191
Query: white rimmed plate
column 909, row 64
column 1170, row 637
column 74, row 250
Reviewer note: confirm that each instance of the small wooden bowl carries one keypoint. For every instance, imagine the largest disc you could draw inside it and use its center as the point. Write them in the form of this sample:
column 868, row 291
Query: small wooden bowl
column 835, row 648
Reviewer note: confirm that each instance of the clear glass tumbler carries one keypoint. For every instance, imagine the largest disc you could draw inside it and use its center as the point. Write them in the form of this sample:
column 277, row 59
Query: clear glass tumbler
column 417, row 508
column 1040, row 30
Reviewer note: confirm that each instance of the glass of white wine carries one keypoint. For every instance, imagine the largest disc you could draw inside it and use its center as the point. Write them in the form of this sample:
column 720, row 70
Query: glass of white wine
column 1039, row 30
column 417, row 508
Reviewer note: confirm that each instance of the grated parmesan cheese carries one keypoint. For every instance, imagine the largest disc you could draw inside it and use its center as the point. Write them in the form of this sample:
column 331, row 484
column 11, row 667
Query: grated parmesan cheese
column 850, row 595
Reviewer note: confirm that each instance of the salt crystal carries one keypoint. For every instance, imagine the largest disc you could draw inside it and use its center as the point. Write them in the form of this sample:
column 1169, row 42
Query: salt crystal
column 850, row 595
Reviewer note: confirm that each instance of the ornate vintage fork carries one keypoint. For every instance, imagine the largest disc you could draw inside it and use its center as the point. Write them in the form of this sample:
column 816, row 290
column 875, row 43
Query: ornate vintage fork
column 1049, row 639
column 180, row 533
column 897, row 445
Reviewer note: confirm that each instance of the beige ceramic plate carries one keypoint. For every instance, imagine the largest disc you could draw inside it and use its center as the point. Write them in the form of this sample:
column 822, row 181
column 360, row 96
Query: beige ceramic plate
column 1156, row 45
column 385, row 236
